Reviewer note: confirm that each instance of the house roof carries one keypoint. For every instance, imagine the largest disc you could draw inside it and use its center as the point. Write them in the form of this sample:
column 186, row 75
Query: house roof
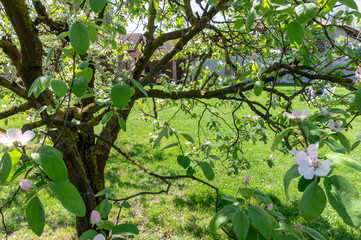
column 133, row 39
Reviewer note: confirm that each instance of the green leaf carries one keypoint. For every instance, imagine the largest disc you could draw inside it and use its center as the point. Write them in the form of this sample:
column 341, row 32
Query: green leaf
column 295, row 34
column 214, row 157
column 222, row 217
column 105, row 208
column 344, row 198
column 190, row 171
column 163, row 133
column 79, row 86
column 313, row 202
column 87, row 73
column 240, row 224
column 261, row 196
column 261, row 221
column 125, row 229
column 105, row 191
column 303, row 183
column 279, row 138
column 187, row 137
column 35, row 215
column 107, row 225
column 120, row 95
column 5, row 167
column 125, row 204
column 344, row 141
column 246, row 192
column 69, row 197
column 250, row 19
column 122, row 124
column 358, row 100
column 349, row 3
column 170, row 145
column 313, row 233
column 49, row 55
column 339, row 111
column 258, row 87
column 100, row 70
column 207, row 170
column 335, row 146
column 184, row 161
column 290, row 174
column 90, row 234
column 79, row 37
column 93, row 34
column 344, row 160
column 15, row 158
column 59, row 87
column 355, row 144
column 238, row 24
column 305, row 11
column 39, row 85
column 62, row 35
column 22, row 169
column 51, row 161
column 97, row 5
column 106, row 117
column 139, row 86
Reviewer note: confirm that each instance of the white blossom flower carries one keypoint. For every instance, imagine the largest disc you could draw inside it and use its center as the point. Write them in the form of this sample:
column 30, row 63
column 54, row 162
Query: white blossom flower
column 254, row 55
column 308, row 164
column 358, row 137
column 325, row 112
column 336, row 126
column 293, row 152
column 297, row 114
column 14, row 137
column 271, row 157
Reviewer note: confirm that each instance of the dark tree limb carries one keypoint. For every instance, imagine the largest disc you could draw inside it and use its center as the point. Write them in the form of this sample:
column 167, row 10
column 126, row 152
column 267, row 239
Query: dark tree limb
column 14, row 110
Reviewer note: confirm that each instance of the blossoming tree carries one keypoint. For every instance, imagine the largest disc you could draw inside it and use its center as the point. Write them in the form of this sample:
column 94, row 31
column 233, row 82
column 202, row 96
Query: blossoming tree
column 61, row 64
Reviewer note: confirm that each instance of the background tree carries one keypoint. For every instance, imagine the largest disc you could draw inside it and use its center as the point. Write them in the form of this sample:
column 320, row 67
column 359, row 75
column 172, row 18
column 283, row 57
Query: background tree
column 60, row 44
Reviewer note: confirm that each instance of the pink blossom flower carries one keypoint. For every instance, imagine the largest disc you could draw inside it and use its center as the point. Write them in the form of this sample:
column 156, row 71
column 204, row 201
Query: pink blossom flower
column 270, row 207
column 246, row 179
column 254, row 55
column 26, row 185
column 325, row 112
column 293, row 152
column 299, row 226
column 258, row 74
column 308, row 164
column 336, row 126
column 77, row 5
column 14, row 137
column 95, row 216
column 297, row 114
column 99, row 237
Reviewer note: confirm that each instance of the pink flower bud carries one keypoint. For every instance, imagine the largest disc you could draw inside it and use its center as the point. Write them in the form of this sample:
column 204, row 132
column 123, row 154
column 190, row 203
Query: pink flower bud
column 258, row 73
column 95, row 216
column 26, row 185
column 77, row 5
column 270, row 207
column 99, row 237
column 320, row 105
column 246, row 179
column 254, row 55
column 299, row 226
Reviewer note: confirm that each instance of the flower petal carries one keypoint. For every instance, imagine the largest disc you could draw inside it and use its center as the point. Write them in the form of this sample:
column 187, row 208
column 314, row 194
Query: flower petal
column 358, row 137
column 331, row 124
column 304, row 114
column 27, row 137
column 324, row 168
column 14, row 134
column 302, row 159
column 6, row 141
column 293, row 152
column 289, row 115
column 306, row 171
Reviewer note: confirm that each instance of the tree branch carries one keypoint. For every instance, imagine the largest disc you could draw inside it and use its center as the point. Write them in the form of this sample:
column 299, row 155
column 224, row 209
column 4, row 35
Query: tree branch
column 14, row 87
column 14, row 110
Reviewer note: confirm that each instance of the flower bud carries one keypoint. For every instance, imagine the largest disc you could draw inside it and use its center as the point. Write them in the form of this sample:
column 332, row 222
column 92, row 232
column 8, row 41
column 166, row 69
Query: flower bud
column 26, row 185
column 77, row 5
column 270, row 207
column 299, row 226
column 99, row 237
column 95, row 216
column 258, row 73
column 246, row 179
column 254, row 55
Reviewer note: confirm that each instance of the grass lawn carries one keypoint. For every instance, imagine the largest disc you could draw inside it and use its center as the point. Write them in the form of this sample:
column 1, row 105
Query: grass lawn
column 186, row 211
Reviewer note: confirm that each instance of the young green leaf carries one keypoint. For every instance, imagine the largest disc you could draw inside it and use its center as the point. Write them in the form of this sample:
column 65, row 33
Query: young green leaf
column 313, row 233
column 93, row 34
column 139, row 86
column 49, row 55
column 187, row 137
column 261, row 221
column 79, row 37
column 15, row 158
column 279, row 138
column 250, row 19
column 35, row 215
column 222, row 217
column 105, row 208
column 80, row 86
column 97, row 5
column 304, row 12
column 106, row 117
column 5, row 167
column 344, row 198
column 69, row 197
column 125, row 229
column 90, row 234
column 358, row 100
column 240, row 222
column 207, row 170
column 295, row 34
column 59, row 87
column 120, row 95
column 290, row 174
column 184, row 161
column 313, row 202
column 344, row 160
column 258, row 87
column 122, row 124
column 349, row 3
